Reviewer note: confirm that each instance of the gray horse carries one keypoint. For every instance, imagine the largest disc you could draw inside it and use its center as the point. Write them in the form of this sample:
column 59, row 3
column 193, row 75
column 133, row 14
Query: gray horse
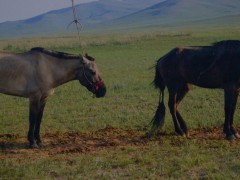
column 34, row 75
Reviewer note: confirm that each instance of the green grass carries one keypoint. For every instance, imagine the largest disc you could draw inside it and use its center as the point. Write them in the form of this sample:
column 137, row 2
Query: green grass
column 176, row 158
column 125, row 62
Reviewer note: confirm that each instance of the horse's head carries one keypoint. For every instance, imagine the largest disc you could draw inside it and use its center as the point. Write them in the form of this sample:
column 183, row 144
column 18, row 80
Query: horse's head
column 90, row 77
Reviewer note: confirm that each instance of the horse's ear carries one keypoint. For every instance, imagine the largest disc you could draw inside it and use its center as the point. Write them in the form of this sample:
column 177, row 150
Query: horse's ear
column 84, row 60
column 89, row 57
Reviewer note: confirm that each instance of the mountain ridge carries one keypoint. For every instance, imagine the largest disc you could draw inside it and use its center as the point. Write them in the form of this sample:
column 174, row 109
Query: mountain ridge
column 116, row 15
column 179, row 13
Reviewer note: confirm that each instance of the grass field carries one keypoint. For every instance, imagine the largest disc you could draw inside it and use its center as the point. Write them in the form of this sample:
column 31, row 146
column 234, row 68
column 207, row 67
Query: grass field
column 89, row 138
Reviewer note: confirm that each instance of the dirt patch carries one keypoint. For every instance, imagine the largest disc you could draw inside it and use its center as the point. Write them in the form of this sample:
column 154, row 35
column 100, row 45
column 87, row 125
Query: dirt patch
column 12, row 145
column 71, row 142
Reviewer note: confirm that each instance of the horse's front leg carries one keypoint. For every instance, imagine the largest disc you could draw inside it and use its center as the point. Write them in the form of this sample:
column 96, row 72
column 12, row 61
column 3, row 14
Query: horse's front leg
column 33, row 117
column 38, row 122
column 230, row 101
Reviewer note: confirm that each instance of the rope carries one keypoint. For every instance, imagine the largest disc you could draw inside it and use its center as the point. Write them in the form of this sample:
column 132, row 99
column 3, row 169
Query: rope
column 76, row 21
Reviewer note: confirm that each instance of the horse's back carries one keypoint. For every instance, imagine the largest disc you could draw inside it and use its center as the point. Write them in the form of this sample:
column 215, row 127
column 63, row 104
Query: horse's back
column 17, row 63
column 16, row 71
column 185, row 64
column 181, row 61
column 204, row 66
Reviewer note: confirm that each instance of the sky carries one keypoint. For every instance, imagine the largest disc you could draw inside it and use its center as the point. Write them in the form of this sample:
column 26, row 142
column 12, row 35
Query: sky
column 12, row 10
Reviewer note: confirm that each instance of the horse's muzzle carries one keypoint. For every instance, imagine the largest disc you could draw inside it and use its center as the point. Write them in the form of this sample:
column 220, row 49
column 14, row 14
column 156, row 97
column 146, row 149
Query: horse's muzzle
column 100, row 89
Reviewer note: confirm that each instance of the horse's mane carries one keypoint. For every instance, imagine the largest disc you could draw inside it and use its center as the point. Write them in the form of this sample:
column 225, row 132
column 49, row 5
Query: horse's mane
column 55, row 53
column 227, row 44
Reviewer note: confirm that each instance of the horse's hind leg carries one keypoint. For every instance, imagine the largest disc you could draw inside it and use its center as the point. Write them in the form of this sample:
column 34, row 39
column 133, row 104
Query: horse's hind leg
column 231, row 96
column 173, row 110
column 234, row 103
column 33, row 116
column 180, row 95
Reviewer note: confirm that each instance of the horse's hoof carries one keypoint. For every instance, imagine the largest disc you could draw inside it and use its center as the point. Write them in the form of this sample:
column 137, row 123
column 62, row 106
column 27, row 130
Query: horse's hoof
column 230, row 137
column 237, row 135
column 39, row 144
column 180, row 132
column 187, row 135
column 184, row 135
column 33, row 146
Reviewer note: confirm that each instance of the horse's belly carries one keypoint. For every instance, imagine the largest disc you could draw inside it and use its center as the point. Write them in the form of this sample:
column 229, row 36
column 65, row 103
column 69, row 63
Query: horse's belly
column 205, row 81
column 14, row 91
column 19, row 87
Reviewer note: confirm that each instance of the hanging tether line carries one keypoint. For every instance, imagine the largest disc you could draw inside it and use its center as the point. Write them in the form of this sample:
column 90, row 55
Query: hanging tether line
column 76, row 21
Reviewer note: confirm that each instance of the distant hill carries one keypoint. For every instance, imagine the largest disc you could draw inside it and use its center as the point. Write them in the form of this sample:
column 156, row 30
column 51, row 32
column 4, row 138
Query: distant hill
column 56, row 22
column 129, row 15
column 180, row 13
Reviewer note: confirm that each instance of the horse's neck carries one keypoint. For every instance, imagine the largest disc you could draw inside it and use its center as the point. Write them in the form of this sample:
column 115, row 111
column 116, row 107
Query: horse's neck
column 65, row 71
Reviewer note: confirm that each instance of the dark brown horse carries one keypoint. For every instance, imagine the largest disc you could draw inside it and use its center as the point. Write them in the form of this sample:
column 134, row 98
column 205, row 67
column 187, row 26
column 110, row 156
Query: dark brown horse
column 35, row 74
column 216, row 66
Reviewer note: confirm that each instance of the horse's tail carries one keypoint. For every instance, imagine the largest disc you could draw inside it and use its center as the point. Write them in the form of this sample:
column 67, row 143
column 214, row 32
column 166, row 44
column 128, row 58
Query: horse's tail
column 158, row 119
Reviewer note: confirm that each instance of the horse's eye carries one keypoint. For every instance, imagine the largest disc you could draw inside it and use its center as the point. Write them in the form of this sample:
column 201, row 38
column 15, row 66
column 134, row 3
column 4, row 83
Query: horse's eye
column 93, row 72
